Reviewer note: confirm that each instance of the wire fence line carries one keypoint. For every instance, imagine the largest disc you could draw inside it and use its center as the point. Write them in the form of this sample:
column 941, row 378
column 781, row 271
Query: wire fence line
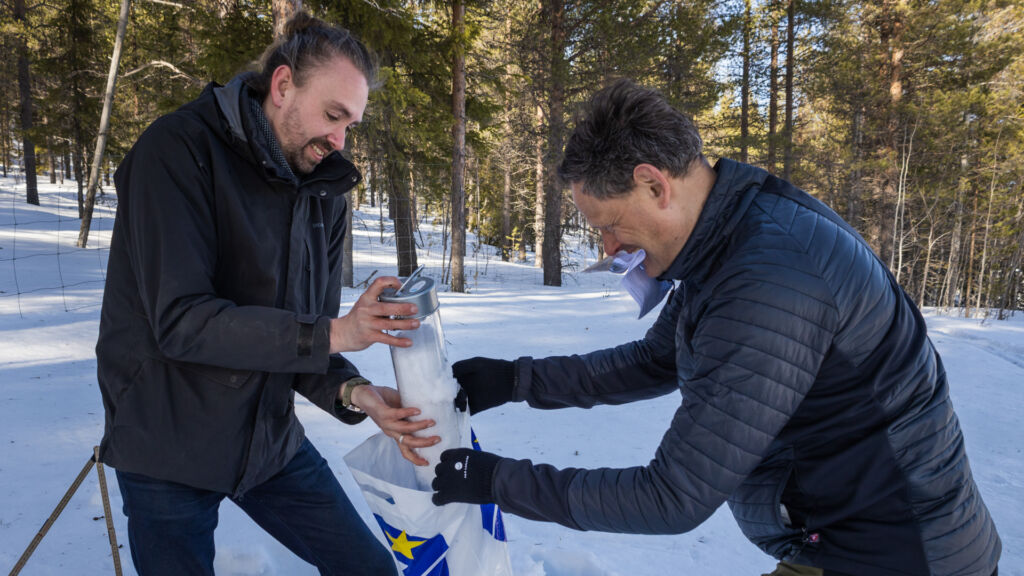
column 39, row 257
column 38, row 252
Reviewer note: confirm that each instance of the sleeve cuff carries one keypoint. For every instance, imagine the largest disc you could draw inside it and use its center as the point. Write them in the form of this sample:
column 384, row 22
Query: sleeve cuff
column 313, row 339
column 522, row 377
column 347, row 416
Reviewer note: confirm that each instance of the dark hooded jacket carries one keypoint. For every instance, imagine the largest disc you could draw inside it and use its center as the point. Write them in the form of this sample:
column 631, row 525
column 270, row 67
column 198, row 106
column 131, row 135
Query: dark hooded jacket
column 809, row 388
column 223, row 275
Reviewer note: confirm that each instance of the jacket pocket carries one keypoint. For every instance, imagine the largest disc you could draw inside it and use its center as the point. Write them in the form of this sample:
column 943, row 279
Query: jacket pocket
column 215, row 374
column 756, row 505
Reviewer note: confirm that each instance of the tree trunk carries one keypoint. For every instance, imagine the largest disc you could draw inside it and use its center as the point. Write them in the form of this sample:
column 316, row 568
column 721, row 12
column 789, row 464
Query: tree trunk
column 539, row 204
column 414, row 216
column 372, row 185
column 282, row 10
column 891, row 37
column 969, row 285
column 5, row 148
column 506, row 211
column 79, row 175
column 988, row 220
column 953, row 265
column 392, row 211
column 745, row 86
column 459, row 148
column 921, row 303
column 899, row 211
column 53, row 160
column 556, row 104
column 396, row 165
column 787, row 144
column 101, row 140
column 855, row 186
column 25, row 96
column 773, row 92
column 1011, row 294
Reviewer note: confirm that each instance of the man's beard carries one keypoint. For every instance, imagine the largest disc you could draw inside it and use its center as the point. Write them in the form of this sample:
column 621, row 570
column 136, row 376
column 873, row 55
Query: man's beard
column 296, row 162
column 295, row 155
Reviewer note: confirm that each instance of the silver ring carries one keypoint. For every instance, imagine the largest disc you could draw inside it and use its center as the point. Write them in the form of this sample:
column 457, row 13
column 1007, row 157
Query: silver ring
column 400, row 438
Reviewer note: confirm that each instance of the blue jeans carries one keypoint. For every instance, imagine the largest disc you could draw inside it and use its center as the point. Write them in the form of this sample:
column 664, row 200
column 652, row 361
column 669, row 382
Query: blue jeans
column 170, row 525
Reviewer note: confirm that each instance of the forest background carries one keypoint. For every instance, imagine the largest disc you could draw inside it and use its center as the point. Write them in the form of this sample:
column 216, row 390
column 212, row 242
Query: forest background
column 905, row 116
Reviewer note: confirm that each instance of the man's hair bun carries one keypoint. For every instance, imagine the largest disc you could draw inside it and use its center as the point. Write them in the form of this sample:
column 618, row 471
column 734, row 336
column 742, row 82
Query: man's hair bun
column 301, row 22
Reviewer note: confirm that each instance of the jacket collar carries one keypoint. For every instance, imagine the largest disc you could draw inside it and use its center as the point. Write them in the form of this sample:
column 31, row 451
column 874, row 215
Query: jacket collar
column 733, row 191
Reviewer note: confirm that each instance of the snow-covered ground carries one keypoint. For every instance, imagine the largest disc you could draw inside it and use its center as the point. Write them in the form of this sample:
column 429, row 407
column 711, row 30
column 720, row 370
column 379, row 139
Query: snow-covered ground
column 51, row 414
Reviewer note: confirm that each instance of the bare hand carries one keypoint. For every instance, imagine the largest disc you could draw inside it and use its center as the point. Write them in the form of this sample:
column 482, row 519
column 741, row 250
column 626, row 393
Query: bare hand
column 368, row 320
column 384, row 407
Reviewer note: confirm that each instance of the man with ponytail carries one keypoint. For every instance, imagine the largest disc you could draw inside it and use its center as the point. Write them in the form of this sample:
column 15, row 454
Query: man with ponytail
column 222, row 300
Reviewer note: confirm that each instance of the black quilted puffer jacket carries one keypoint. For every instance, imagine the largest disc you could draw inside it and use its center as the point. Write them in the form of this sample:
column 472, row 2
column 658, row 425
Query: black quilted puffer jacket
column 812, row 401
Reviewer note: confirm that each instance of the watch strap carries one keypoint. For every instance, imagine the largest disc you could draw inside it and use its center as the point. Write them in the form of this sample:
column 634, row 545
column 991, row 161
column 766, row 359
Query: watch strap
column 346, row 394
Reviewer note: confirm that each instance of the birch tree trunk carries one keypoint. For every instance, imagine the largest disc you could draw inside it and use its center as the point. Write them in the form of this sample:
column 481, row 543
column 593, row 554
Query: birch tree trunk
column 969, row 284
column 953, row 265
column 899, row 212
column 539, row 204
column 927, row 266
column 101, row 139
column 988, row 218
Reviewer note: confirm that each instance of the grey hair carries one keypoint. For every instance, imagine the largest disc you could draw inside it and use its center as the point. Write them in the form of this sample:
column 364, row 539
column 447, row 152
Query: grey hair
column 622, row 126
column 308, row 42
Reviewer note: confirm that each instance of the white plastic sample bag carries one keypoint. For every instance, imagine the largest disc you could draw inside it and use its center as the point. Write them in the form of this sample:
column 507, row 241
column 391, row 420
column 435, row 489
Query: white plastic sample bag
column 451, row 540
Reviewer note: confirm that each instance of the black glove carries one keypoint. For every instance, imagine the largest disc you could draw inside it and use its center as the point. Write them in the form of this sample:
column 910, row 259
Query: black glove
column 461, row 400
column 487, row 382
column 464, row 475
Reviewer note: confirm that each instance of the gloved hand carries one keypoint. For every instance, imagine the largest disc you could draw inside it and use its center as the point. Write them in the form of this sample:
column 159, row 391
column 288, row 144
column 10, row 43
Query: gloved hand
column 464, row 475
column 487, row 382
column 461, row 400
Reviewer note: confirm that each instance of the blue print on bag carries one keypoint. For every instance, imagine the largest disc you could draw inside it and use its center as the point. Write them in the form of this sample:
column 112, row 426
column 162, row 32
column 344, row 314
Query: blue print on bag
column 422, row 556
column 490, row 514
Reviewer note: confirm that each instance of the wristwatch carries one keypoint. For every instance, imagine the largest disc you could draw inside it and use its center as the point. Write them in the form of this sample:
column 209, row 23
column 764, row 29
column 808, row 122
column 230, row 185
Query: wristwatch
column 346, row 396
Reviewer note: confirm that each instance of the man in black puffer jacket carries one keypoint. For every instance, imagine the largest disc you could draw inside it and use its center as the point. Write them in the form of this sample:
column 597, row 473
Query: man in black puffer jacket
column 812, row 399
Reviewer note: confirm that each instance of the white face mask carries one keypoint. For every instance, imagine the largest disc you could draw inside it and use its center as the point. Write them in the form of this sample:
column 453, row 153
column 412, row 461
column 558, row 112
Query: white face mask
column 646, row 291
